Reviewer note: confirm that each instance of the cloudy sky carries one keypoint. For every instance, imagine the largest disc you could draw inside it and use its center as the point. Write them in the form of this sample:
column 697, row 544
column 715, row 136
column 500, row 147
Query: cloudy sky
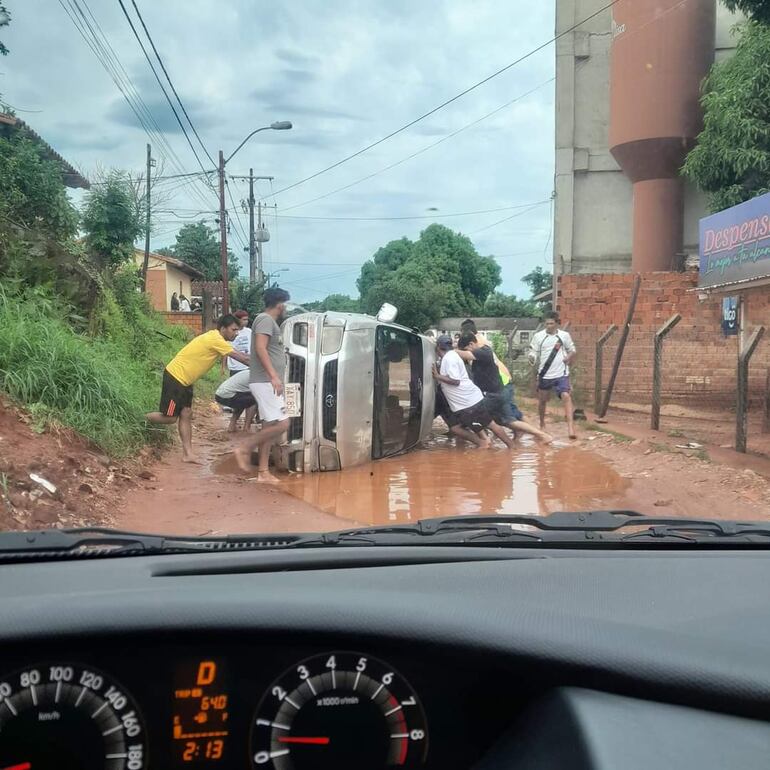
column 346, row 73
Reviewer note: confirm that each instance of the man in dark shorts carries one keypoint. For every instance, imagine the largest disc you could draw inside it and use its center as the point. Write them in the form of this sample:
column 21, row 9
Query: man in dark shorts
column 465, row 399
column 185, row 369
column 235, row 393
column 486, row 376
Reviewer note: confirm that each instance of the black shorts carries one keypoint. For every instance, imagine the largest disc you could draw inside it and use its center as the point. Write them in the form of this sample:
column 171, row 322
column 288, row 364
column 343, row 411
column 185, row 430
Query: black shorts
column 475, row 417
column 238, row 402
column 174, row 396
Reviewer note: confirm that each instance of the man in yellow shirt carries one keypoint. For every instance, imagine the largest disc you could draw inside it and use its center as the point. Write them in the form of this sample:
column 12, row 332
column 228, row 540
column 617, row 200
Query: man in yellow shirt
column 188, row 366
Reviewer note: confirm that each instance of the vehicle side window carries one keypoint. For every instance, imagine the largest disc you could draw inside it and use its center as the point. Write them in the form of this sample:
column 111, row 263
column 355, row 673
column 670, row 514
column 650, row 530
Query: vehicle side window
column 299, row 335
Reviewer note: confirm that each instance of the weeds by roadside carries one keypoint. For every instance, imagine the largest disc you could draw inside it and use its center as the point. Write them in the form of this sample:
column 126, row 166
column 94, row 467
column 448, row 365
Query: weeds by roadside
column 596, row 428
column 100, row 386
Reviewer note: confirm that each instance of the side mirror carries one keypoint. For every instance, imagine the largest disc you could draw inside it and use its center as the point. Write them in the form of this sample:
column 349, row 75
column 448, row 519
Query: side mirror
column 387, row 313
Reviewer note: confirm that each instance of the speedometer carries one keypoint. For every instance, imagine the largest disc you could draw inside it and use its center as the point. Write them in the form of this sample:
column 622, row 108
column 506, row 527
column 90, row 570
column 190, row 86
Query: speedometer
column 59, row 715
column 341, row 710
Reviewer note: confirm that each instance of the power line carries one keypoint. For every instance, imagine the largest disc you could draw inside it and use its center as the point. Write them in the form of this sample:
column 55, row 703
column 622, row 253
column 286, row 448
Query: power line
column 448, row 101
column 160, row 83
column 506, row 219
column 168, row 77
column 422, row 150
column 110, row 61
column 519, row 206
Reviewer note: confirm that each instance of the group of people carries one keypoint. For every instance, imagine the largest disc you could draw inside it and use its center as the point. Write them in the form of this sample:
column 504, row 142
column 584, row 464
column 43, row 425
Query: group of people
column 474, row 393
column 256, row 362
column 475, row 388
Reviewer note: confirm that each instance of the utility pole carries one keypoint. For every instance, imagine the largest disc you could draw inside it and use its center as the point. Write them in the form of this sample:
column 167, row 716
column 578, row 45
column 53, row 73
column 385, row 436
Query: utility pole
column 223, row 235
column 146, row 263
column 260, row 275
column 252, row 242
column 255, row 246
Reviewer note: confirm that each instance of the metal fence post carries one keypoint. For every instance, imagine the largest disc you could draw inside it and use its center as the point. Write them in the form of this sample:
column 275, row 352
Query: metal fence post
column 766, row 416
column 657, row 365
column 600, row 366
column 621, row 346
column 742, row 406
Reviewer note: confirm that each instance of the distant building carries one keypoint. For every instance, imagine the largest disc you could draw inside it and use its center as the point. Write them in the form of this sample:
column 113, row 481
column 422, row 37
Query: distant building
column 166, row 275
column 517, row 331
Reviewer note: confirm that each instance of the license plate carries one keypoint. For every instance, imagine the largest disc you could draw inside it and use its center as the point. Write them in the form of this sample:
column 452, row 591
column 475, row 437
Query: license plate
column 293, row 397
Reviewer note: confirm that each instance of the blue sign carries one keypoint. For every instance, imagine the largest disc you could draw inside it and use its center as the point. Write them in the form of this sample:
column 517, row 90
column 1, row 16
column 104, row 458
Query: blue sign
column 730, row 316
column 735, row 244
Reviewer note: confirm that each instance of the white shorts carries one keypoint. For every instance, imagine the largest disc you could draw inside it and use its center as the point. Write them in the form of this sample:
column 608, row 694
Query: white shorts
column 272, row 408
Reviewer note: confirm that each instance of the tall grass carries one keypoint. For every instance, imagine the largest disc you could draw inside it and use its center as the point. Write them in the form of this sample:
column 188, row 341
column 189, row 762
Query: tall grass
column 101, row 385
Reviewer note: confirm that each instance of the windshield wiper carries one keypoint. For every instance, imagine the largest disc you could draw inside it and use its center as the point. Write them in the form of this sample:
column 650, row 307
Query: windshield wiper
column 564, row 528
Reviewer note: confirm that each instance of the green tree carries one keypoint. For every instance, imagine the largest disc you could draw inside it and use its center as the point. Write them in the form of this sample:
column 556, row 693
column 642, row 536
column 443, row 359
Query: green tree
column 538, row 280
column 756, row 9
column 5, row 20
column 340, row 303
column 731, row 161
column 438, row 275
column 198, row 246
column 499, row 305
column 111, row 222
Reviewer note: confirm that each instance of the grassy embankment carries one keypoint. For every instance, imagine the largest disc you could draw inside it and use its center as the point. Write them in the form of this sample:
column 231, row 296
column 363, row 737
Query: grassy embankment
column 101, row 384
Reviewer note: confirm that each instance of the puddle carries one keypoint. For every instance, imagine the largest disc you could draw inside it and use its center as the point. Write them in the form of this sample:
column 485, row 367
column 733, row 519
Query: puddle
column 443, row 480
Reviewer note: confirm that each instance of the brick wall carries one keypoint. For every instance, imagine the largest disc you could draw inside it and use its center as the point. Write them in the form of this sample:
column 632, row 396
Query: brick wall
column 699, row 363
column 193, row 321
column 156, row 289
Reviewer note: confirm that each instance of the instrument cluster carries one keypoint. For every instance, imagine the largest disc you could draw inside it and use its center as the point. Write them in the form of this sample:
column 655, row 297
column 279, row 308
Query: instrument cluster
column 157, row 707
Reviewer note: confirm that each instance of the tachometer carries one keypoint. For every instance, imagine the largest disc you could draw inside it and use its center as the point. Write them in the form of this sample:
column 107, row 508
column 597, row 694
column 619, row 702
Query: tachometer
column 60, row 715
column 343, row 710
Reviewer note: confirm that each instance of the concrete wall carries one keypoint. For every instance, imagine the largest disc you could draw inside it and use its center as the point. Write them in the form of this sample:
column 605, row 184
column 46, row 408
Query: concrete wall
column 176, row 281
column 163, row 279
column 594, row 203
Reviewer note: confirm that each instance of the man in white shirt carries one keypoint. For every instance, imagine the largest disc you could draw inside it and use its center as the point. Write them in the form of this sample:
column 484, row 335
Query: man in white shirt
column 235, row 394
column 467, row 413
column 241, row 343
column 551, row 352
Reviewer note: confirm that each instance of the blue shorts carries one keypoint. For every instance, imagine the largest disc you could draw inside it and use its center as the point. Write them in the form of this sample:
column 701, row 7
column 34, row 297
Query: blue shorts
column 560, row 384
column 515, row 412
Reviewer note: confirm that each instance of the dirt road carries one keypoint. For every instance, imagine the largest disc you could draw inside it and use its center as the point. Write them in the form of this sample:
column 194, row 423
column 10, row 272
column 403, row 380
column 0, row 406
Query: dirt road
column 601, row 470
column 617, row 465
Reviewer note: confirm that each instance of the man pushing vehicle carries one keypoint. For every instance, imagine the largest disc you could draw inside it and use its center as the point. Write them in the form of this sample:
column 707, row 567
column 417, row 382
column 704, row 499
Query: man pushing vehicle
column 185, row 369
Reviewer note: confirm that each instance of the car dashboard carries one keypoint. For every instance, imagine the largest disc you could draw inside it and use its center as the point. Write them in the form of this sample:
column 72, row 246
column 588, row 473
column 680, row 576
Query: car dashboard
column 388, row 657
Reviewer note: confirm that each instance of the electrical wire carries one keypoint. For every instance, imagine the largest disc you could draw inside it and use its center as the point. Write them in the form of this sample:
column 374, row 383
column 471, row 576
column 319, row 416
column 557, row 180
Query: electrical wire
column 160, row 83
column 449, row 101
column 170, row 82
column 507, row 219
column 110, row 61
column 422, row 150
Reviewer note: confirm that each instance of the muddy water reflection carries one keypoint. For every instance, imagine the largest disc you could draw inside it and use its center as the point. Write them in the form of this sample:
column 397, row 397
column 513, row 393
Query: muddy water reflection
column 443, row 480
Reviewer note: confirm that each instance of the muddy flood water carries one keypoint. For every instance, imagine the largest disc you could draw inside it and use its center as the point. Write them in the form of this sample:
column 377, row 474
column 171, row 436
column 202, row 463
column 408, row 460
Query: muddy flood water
column 443, row 479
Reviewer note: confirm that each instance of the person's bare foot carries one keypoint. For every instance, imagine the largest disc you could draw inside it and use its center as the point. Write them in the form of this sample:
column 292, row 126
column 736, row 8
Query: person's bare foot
column 243, row 458
column 267, row 478
column 573, row 436
column 547, row 438
column 192, row 459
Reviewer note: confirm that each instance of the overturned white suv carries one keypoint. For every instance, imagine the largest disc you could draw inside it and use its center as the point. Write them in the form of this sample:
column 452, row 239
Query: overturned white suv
column 358, row 388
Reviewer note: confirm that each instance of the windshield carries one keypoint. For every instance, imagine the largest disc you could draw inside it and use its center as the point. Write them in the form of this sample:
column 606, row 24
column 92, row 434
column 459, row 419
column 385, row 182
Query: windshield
column 343, row 264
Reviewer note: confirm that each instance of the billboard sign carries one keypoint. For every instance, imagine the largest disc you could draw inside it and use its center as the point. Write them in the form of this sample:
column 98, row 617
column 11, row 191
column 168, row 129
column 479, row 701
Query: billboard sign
column 735, row 244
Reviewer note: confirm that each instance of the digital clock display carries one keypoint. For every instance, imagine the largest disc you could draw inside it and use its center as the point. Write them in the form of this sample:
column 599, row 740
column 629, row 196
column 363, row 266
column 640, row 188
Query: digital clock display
column 201, row 718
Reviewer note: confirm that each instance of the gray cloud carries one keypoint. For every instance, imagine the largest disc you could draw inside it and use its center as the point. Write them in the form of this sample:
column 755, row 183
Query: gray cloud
column 346, row 73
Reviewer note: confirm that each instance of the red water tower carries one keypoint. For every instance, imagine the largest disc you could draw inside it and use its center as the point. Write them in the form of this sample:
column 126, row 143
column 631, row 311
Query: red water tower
column 661, row 51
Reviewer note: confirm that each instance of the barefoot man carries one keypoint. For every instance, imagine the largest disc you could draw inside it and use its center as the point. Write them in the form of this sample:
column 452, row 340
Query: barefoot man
column 188, row 366
column 551, row 352
column 268, row 364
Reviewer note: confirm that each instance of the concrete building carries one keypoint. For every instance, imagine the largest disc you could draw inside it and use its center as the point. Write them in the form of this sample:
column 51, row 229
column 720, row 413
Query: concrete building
column 166, row 275
column 606, row 111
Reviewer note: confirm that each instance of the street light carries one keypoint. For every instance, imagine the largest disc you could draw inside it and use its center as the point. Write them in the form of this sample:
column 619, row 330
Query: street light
column 279, row 125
